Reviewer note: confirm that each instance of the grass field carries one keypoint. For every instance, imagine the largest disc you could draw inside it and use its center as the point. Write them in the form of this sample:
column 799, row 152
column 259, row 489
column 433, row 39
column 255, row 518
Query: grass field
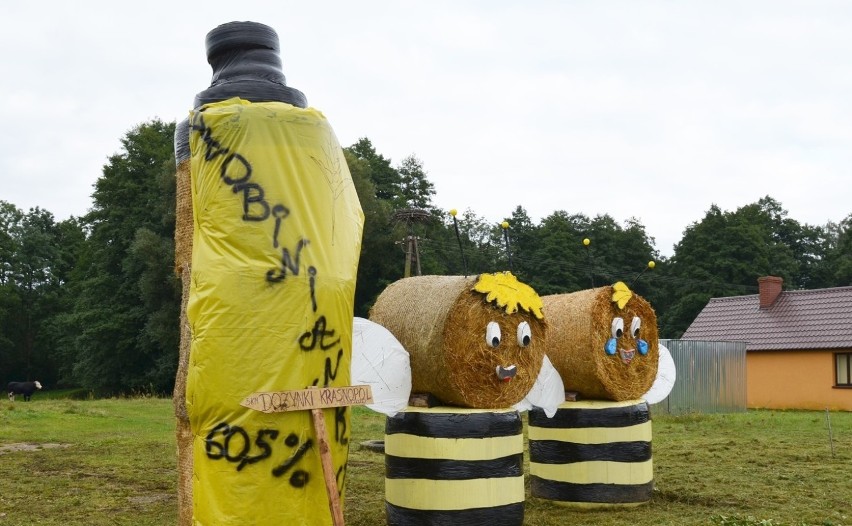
column 113, row 462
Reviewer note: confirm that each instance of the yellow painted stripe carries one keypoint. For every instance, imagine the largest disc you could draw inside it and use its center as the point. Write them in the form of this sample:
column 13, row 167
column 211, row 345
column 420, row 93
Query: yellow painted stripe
column 413, row 446
column 426, row 494
column 596, row 471
column 593, row 435
column 456, row 410
column 598, row 404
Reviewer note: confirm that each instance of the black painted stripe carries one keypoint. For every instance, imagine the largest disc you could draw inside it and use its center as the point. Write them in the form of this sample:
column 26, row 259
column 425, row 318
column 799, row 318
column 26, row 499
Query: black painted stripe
column 455, row 425
column 591, row 493
column 557, row 452
column 446, row 469
column 506, row 515
column 630, row 415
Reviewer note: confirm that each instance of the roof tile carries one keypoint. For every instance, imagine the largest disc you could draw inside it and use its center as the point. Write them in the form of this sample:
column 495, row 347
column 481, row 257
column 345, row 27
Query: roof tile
column 798, row 319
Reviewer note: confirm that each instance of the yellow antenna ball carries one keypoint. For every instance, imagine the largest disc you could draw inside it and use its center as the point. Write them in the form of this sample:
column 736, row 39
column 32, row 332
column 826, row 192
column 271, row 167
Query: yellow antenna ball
column 504, row 224
column 651, row 264
column 453, row 212
column 587, row 241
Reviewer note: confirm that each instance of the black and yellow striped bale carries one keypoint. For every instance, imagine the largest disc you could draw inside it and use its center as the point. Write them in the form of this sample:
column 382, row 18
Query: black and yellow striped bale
column 594, row 454
column 449, row 465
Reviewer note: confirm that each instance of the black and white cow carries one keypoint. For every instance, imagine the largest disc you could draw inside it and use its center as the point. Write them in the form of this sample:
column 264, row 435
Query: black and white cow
column 25, row 388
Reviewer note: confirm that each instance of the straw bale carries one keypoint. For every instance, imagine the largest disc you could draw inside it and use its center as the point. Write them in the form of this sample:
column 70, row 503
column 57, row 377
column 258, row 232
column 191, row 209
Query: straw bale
column 184, row 437
column 441, row 321
column 183, row 259
column 579, row 328
column 183, row 216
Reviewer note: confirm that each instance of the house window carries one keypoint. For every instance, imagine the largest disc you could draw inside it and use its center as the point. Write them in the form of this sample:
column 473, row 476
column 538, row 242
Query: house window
column 843, row 368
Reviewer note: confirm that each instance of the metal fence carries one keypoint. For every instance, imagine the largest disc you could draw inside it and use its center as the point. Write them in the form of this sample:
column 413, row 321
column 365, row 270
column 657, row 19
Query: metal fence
column 711, row 377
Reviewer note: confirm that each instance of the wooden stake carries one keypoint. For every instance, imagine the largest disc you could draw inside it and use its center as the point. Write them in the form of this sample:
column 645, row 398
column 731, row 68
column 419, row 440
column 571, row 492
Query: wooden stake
column 327, row 468
column 830, row 436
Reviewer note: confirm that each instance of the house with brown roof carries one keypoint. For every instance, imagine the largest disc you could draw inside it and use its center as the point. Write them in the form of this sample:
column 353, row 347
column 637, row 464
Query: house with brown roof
column 798, row 343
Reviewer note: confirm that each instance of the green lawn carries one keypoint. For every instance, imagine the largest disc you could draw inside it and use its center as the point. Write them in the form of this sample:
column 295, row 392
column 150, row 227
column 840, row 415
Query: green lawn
column 113, row 462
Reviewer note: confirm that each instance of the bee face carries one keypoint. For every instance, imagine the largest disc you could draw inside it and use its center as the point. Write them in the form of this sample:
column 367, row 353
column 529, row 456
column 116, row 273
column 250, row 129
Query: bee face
column 625, row 344
column 497, row 355
column 510, row 347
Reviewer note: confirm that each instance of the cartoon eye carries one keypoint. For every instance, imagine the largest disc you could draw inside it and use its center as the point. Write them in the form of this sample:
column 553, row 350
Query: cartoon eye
column 635, row 325
column 492, row 334
column 617, row 327
column 524, row 334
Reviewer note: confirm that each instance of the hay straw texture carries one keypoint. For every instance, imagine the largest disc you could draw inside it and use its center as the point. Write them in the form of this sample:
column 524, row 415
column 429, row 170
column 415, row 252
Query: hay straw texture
column 183, row 259
column 579, row 327
column 441, row 321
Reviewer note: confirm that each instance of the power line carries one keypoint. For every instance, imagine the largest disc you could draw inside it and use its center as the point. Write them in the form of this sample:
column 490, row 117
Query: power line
column 494, row 253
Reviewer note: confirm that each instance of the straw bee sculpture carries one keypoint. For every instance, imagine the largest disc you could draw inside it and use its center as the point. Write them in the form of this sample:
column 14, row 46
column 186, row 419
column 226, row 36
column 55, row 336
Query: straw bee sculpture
column 603, row 342
column 474, row 342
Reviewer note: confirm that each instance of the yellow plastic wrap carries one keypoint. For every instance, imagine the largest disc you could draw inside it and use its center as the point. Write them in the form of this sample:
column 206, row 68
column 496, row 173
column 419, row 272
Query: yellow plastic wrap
column 277, row 235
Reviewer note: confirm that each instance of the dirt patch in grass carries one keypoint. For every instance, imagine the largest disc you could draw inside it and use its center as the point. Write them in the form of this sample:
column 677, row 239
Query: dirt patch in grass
column 29, row 446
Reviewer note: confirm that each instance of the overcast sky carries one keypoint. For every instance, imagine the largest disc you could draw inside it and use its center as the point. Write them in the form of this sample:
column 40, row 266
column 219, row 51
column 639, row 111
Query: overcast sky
column 647, row 109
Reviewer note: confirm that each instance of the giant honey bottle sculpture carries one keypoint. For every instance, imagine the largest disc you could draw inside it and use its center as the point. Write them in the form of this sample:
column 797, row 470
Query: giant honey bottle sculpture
column 267, row 244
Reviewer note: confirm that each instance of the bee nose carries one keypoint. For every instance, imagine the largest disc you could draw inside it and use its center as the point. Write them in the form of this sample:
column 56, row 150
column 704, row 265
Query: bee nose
column 627, row 355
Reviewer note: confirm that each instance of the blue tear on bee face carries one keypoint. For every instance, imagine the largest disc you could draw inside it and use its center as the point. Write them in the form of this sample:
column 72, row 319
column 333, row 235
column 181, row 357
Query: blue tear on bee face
column 610, row 346
column 642, row 345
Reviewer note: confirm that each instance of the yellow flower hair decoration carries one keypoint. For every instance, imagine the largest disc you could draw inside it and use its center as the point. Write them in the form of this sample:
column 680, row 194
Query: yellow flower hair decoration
column 509, row 293
column 621, row 294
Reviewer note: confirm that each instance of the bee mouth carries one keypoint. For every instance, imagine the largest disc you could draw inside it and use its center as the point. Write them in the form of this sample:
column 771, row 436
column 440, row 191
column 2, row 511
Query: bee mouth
column 627, row 355
column 506, row 373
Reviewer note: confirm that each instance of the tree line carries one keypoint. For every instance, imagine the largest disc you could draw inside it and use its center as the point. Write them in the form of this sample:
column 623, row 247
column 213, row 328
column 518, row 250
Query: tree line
column 93, row 301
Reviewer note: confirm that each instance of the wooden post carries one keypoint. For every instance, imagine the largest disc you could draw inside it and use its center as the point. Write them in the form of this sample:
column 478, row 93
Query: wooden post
column 408, row 244
column 830, row 436
column 327, row 468
column 314, row 399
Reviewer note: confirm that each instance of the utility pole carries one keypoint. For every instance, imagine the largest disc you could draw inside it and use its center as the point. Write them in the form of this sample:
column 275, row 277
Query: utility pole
column 412, row 248
column 408, row 246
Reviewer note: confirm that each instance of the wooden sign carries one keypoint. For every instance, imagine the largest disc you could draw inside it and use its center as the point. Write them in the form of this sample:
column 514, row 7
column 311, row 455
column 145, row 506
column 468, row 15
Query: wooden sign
column 315, row 399
column 311, row 398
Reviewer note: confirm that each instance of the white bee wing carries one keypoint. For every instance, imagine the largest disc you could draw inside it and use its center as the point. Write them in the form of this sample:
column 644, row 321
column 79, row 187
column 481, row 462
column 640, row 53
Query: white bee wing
column 665, row 380
column 380, row 361
column 547, row 393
